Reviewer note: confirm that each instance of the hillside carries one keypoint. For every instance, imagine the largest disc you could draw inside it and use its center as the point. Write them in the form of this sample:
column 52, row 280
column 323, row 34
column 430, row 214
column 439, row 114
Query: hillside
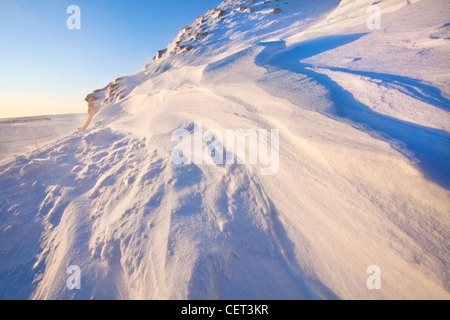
column 361, row 176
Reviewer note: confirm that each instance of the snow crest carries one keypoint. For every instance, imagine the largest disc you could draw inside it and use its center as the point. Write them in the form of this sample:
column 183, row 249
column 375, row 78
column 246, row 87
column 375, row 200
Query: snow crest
column 363, row 175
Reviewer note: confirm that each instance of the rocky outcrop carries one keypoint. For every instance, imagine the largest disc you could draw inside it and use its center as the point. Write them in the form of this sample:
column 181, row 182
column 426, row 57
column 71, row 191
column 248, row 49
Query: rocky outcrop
column 190, row 39
column 102, row 97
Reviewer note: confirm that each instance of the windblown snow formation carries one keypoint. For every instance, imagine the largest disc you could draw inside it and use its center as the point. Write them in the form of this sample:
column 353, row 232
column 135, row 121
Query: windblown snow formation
column 363, row 179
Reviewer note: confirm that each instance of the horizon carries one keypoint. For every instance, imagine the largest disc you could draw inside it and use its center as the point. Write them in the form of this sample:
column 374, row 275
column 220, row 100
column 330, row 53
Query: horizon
column 49, row 69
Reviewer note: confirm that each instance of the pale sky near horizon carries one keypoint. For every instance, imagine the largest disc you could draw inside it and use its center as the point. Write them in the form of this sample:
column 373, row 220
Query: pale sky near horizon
column 46, row 68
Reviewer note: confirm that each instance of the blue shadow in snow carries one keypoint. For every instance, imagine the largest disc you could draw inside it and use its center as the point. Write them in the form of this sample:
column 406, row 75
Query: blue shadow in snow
column 409, row 86
column 430, row 147
column 311, row 48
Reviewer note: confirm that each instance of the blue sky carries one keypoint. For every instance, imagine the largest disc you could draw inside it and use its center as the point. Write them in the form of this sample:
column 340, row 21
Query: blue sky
column 45, row 68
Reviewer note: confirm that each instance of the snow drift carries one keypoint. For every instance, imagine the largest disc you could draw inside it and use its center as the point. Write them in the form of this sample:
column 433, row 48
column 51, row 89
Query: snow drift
column 363, row 177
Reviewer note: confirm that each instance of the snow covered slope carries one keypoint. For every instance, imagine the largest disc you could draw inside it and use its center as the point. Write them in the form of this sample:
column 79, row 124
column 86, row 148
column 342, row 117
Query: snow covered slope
column 363, row 179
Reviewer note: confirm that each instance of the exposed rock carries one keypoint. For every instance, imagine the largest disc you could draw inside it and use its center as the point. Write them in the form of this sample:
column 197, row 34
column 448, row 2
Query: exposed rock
column 201, row 35
column 91, row 99
column 118, row 80
column 185, row 29
column 160, row 53
column 244, row 9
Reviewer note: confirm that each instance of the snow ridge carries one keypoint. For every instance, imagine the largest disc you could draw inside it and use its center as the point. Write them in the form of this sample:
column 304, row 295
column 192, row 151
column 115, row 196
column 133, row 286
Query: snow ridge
column 359, row 134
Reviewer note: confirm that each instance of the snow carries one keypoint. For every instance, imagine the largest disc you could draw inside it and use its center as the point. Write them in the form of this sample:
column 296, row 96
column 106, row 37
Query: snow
column 22, row 135
column 363, row 176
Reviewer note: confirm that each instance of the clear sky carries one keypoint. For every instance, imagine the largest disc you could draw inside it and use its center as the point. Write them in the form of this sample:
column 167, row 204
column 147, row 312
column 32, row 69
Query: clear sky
column 46, row 68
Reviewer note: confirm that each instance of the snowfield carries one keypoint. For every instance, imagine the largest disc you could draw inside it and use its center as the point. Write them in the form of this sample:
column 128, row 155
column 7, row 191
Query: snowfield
column 363, row 177
column 22, row 135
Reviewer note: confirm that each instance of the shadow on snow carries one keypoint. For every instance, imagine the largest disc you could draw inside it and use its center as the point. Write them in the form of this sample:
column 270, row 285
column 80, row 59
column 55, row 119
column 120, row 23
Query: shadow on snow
column 430, row 147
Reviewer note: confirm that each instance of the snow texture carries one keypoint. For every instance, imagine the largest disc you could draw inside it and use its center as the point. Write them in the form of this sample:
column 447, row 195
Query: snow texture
column 363, row 177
